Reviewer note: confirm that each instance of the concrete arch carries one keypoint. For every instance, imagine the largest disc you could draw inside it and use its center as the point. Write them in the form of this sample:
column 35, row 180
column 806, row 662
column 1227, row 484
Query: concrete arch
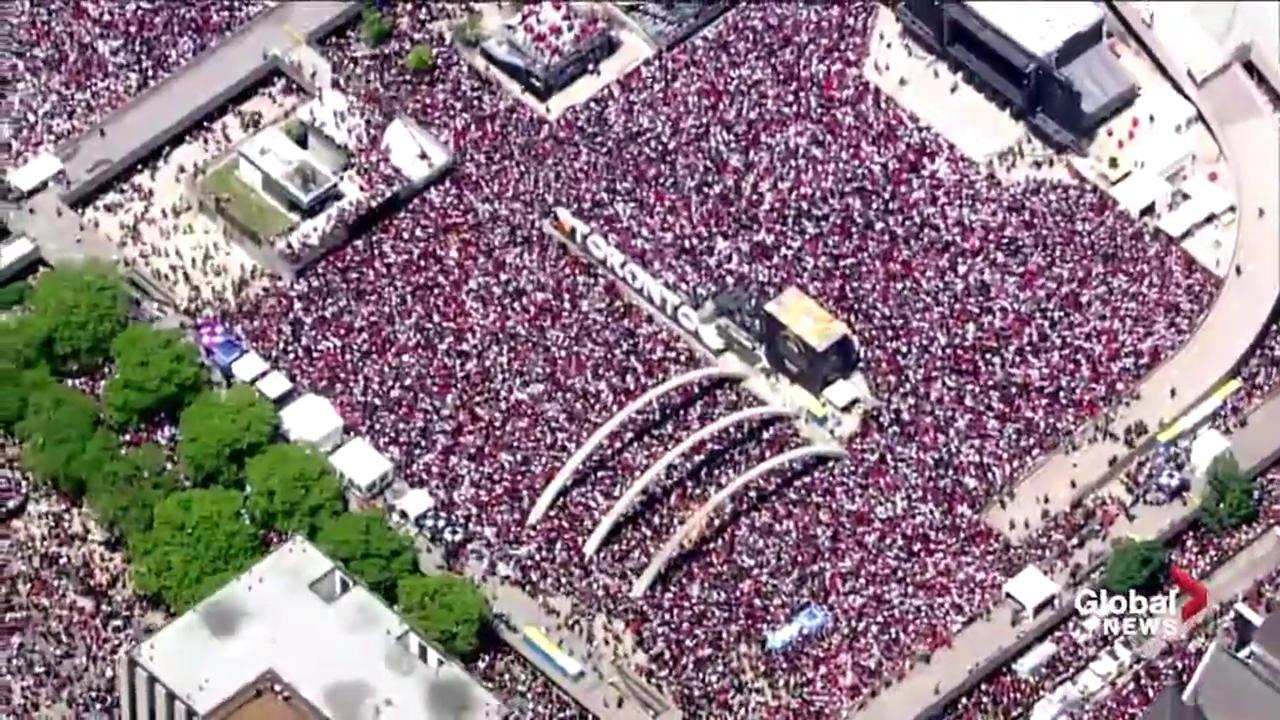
column 698, row 519
column 553, row 488
column 637, row 488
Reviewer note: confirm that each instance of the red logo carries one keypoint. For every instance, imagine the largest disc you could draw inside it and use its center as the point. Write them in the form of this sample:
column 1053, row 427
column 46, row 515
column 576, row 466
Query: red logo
column 1194, row 588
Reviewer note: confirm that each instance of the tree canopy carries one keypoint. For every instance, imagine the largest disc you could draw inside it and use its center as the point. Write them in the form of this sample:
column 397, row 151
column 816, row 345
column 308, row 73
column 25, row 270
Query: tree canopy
column 125, row 492
column 14, row 294
column 17, row 385
column 469, row 32
column 220, row 431
column 420, row 59
column 375, row 27
column 448, row 609
column 81, row 310
column 1136, row 565
column 1229, row 501
column 370, row 549
column 62, row 444
column 198, row 541
column 23, row 342
column 156, row 371
column 292, row 489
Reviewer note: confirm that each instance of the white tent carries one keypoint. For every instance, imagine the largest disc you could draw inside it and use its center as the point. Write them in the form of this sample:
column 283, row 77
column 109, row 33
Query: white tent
column 249, row 367
column 1105, row 667
column 35, row 173
column 414, row 504
column 413, row 151
column 1029, row 664
column 1207, row 446
column 1031, row 589
column 274, row 385
column 362, row 467
column 312, row 419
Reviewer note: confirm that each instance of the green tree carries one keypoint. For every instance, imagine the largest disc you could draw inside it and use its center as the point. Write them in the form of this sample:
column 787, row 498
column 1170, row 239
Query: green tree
column 156, row 371
column 1229, row 500
column 448, row 609
column 220, row 431
column 124, row 493
column 14, row 294
column 469, row 32
column 197, row 543
column 370, row 549
column 420, row 59
column 292, row 489
column 375, row 27
column 62, row 443
column 1136, row 565
column 17, row 385
column 23, row 342
column 81, row 309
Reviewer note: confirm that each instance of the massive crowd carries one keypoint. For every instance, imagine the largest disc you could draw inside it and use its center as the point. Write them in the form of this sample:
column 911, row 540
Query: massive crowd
column 69, row 609
column 479, row 352
column 81, row 59
column 476, row 351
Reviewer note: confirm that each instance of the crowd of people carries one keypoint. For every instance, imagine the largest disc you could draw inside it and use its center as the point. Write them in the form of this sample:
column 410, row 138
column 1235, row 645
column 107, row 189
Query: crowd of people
column 69, row 609
column 996, row 316
column 79, row 60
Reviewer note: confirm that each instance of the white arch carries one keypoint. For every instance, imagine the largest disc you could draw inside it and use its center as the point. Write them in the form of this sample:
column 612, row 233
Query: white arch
column 698, row 519
column 553, row 488
column 638, row 487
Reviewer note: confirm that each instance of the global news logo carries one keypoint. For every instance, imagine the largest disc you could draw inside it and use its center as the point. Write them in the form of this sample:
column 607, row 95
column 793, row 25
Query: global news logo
column 1133, row 615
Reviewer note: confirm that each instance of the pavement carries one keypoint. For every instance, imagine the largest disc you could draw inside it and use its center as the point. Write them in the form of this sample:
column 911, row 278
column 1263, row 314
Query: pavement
column 1237, row 114
column 1257, row 445
column 160, row 110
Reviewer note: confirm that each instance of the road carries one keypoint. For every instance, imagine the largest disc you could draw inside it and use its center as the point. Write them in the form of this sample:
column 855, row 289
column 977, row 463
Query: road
column 163, row 111
column 1236, row 113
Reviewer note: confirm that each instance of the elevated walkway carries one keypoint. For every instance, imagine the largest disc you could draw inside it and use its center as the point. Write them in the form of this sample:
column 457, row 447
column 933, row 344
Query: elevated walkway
column 168, row 109
column 1257, row 445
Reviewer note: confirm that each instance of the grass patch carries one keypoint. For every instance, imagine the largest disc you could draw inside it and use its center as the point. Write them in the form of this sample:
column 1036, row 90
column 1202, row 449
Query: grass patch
column 245, row 204
column 14, row 294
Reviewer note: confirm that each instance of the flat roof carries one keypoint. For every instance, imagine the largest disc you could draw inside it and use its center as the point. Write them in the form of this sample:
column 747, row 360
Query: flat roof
column 344, row 656
column 272, row 152
column 1040, row 27
column 806, row 318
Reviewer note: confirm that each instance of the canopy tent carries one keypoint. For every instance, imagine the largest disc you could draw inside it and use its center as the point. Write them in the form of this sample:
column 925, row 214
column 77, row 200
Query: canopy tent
column 249, row 367
column 1031, row 589
column 314, row 420
column 362, row 467
column 28, row 178
column 413, row 505
column 1029, row 664
column 1207, row 446
column 274, row 385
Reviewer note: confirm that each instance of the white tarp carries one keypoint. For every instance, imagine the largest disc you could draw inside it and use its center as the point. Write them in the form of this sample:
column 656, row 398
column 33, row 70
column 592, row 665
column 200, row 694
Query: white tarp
column 362, row 467
column 1029, row 664
column 1031, row 589
column 35, row 172
column 314, row 420
column 414, row 152
column 414, row 504
column 249, row 367
column 1140, row 191
column 274, row 385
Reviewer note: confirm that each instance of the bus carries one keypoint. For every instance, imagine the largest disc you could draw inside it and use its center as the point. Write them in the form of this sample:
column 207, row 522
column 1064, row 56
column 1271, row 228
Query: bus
column 537, row 641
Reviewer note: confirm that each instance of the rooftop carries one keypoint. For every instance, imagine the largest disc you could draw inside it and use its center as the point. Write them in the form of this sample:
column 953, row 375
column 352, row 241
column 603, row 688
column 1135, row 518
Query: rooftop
column 342, row 650
column 548, row 32
column 1040, row 27
column 807, row 319
column 279, row 157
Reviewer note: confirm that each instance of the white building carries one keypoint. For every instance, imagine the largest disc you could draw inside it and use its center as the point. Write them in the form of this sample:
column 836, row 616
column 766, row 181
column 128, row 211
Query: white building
column 295, row 637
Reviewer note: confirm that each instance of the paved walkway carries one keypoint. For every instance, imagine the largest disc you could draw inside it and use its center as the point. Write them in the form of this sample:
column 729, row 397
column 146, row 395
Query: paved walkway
column 1236, row 112
column 1257, row 445
column 164, row 111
